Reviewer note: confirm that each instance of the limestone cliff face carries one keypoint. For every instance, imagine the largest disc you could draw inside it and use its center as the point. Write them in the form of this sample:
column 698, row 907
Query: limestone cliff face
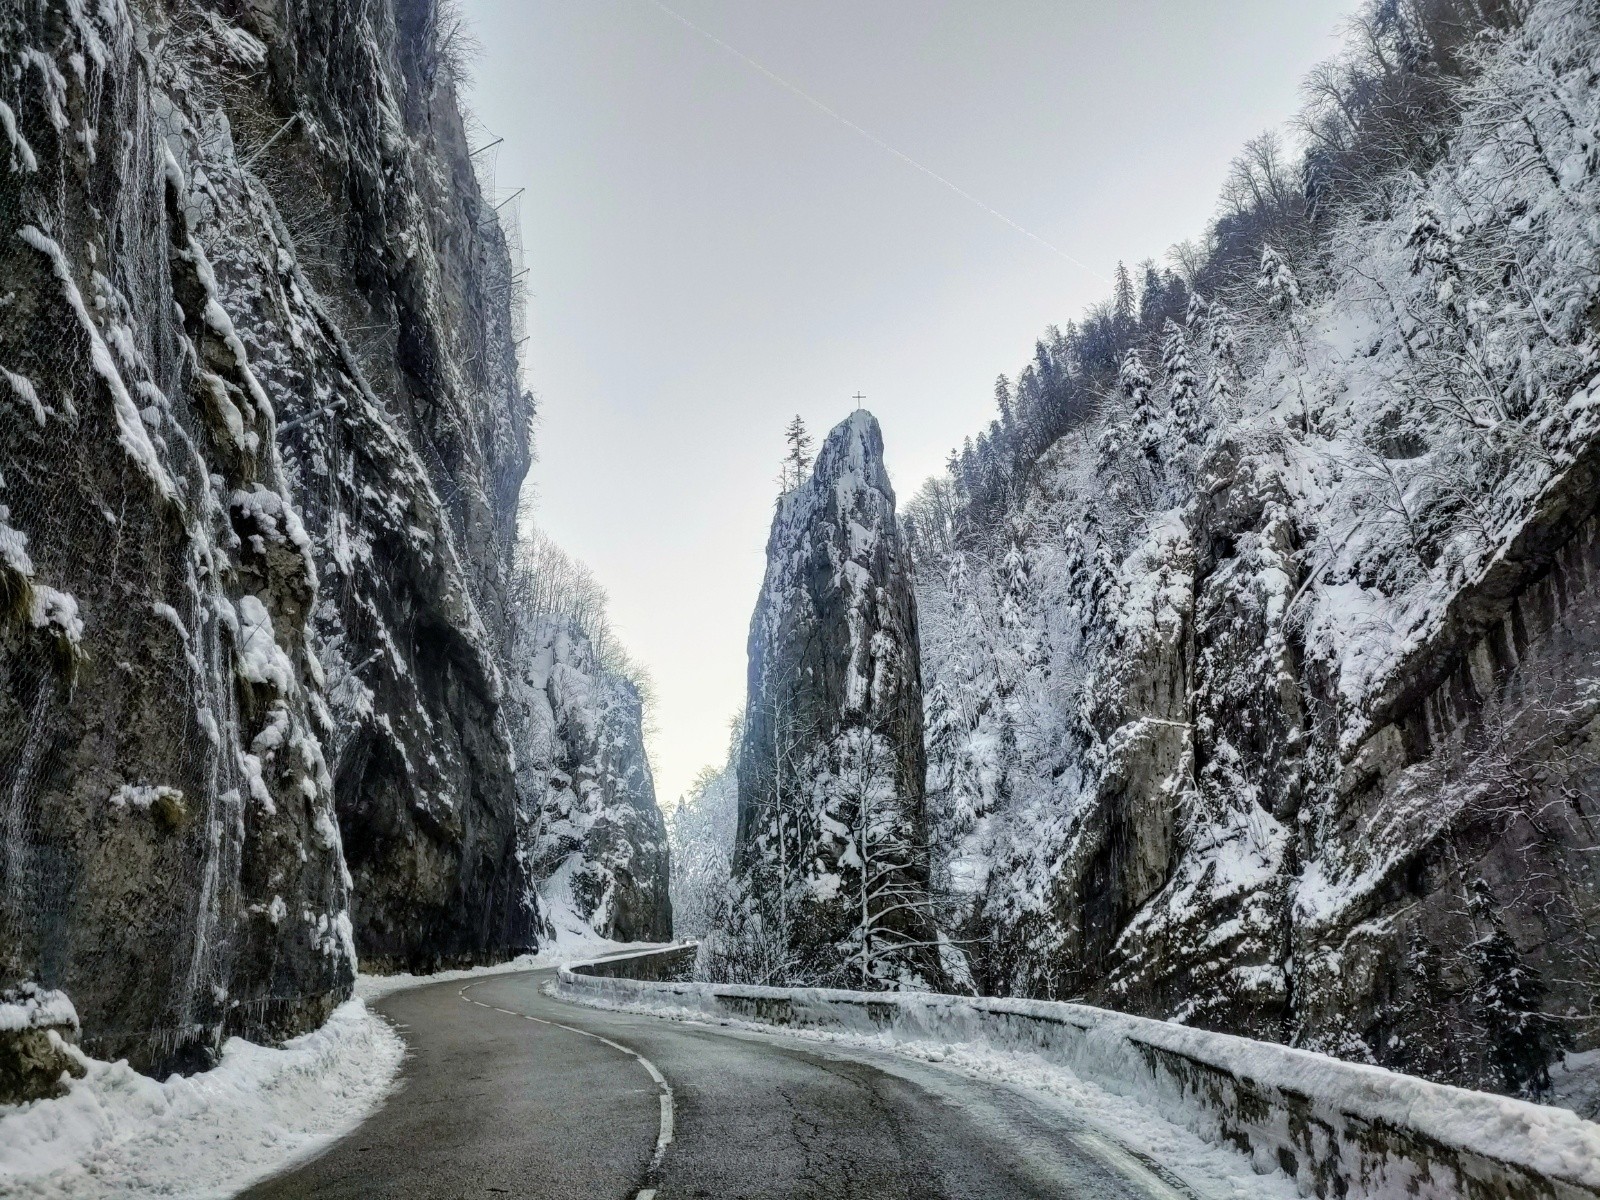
column 260, row 441
column 1203, row 919
column 1411, row 881
column 408, row 443
column 1448, row 919
column 1405, row 877
column 832, row 822
column 1399, row 871
column 595, row 841
column 1265, row 697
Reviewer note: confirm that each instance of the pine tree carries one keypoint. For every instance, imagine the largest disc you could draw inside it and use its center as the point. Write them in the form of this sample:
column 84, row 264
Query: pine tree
column 1017, row 586
column 943, row 719
column 1095, row 588
column 1277, row 279
column 1106, row 586
column 969, row 467
column 1183, row 386
column 1123, row 305
column 1509, row 996
column 1075, row 567
column 1112, row 442
column 1433, row 251
column 1152, row 294
column 1002, row 401
column 798, row 460
column 959, row 581
column 1145, row 420
column 1017, row 604
column 1224, row 350
column 958, row 481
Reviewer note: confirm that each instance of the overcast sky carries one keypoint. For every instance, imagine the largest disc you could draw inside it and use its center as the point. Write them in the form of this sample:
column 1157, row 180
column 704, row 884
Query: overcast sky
column 712, row 253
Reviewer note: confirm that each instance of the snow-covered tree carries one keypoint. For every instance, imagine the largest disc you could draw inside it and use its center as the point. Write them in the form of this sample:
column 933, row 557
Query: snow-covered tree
column 700, row 832
column 1278, row 282
column 1124, row 305
column 1223, row 346
column 1183, row 386
column 1145, row 419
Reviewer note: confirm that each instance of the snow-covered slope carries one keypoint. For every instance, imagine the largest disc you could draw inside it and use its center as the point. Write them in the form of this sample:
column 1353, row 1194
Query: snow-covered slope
column 594, row 844
column 700, row 830
column 1265, row 696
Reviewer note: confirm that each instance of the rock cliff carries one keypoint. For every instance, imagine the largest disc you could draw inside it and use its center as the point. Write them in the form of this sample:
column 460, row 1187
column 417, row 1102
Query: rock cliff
column 1261, row 629
column 595, row 842
column 261, row 438
column 832, row 833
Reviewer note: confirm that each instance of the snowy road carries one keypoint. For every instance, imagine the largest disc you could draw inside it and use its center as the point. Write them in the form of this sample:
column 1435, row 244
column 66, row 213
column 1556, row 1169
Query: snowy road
column 498, row 1101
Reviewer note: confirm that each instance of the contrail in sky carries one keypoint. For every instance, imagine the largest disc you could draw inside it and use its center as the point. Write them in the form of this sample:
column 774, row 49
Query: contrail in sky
column 873, row 138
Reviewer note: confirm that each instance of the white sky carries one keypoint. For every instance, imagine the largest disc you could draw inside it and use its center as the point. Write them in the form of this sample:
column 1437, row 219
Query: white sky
column 710, row 254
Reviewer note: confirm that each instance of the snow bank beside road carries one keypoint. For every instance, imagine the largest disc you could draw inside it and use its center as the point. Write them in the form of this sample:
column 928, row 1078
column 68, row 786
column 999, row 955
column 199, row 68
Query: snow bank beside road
column 120, row 1133
column 1128, row 1128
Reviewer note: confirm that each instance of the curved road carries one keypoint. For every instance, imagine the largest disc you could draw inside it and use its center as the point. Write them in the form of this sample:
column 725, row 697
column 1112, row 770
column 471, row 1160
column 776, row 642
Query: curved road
column 510, row 1092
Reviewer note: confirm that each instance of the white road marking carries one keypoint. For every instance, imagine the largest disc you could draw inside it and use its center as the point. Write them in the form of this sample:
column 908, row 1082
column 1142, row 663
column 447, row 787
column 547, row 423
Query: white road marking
column 664, row 1128
column 1103, row 1147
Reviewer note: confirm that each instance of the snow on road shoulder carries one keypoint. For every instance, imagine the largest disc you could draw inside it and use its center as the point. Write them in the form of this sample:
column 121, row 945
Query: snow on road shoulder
column 120, row 1133
column 258, row 1112
column 1131, row 1126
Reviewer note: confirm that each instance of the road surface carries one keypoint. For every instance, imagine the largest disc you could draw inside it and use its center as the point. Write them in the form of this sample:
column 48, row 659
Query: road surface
column 510, row 1092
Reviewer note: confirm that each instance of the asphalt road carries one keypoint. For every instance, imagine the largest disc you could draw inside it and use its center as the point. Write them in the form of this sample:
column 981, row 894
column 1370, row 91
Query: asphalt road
column 510, row 1092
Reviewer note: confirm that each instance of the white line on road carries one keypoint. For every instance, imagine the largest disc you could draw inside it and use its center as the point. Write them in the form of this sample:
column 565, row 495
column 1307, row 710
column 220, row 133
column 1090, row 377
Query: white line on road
column 664, row 1129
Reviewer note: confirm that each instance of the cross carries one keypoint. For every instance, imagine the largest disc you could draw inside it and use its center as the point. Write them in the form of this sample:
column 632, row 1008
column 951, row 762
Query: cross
column 858, row 398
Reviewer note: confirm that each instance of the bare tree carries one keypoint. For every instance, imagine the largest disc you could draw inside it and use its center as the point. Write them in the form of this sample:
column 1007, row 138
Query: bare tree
column 896, row 914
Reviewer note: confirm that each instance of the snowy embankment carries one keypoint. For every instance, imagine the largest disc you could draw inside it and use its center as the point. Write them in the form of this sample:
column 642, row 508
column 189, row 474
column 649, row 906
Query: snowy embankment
column 1334, row 1128
column 120, row 1133
column 260, row 1110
